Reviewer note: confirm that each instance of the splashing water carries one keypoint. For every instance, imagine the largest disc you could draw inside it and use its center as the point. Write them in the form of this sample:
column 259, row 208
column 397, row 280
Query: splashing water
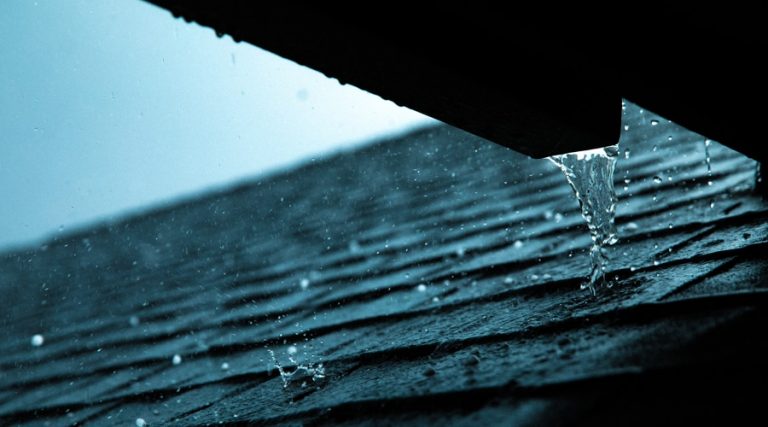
column 302, row 372
column 590, row 174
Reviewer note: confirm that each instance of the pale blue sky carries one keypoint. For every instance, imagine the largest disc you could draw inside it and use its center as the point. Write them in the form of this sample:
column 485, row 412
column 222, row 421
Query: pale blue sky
column 107, row 106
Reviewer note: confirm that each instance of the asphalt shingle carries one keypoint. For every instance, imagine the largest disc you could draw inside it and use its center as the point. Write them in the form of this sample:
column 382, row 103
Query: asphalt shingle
column 429, row 275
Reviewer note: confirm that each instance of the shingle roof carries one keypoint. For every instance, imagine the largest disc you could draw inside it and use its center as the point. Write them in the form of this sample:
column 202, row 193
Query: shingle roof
column 330, row 258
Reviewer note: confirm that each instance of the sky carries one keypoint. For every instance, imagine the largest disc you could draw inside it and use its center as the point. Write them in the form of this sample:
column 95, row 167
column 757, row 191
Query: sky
column 110, row 106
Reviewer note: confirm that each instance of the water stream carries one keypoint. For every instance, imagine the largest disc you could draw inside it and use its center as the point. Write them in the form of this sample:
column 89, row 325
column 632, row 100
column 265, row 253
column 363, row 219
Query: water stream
column 590, row 174
column 708, row 161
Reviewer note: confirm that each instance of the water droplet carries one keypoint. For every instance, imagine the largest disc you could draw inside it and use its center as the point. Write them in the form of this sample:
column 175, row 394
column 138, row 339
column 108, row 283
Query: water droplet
column 460, row 251
column 140, row 422
column 654, row 122
column 134, row 321
column 669, row 138
column 632, row 226
column 627, row 153
column 471, row 360
column 655, row 262
column 655, row 147
column 354, row 247
column 657, row 179
column 435, row 299
column 708, row 160
column 626, row 128
column 176, row 360
column 558, row 217
column 632, row 268
column 517, row 244
column 292, row 350
column 37, row 340
column 304, row 283
column 548, row 214
column 421, row 288
column 224, row 366
column 509, row 280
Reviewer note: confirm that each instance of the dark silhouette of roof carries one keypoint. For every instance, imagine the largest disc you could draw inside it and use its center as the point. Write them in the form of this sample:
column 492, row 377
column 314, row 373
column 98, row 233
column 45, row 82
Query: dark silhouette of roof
column 541, row 80
column 434, row 276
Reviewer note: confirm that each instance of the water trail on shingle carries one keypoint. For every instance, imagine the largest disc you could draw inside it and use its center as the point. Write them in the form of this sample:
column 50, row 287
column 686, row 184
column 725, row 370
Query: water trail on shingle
column 590, row 174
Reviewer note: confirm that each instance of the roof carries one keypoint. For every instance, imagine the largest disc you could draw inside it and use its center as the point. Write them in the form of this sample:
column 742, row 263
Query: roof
column 434, row 276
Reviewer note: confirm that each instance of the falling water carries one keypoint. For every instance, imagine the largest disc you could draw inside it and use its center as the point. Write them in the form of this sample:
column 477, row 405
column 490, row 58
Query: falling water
column 590, row 174
column 708, row 161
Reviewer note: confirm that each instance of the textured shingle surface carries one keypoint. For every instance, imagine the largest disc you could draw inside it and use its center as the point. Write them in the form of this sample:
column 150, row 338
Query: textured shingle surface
column 499, row 331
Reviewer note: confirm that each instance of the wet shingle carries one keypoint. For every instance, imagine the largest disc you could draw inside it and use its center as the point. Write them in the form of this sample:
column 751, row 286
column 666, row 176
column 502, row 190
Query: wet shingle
column 435, row 276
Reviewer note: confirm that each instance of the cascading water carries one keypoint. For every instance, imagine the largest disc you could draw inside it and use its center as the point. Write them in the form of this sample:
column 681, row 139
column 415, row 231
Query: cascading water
column 590, row 174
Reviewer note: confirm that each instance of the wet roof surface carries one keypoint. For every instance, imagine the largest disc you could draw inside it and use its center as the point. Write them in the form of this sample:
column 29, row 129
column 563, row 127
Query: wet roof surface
column 435, row 277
